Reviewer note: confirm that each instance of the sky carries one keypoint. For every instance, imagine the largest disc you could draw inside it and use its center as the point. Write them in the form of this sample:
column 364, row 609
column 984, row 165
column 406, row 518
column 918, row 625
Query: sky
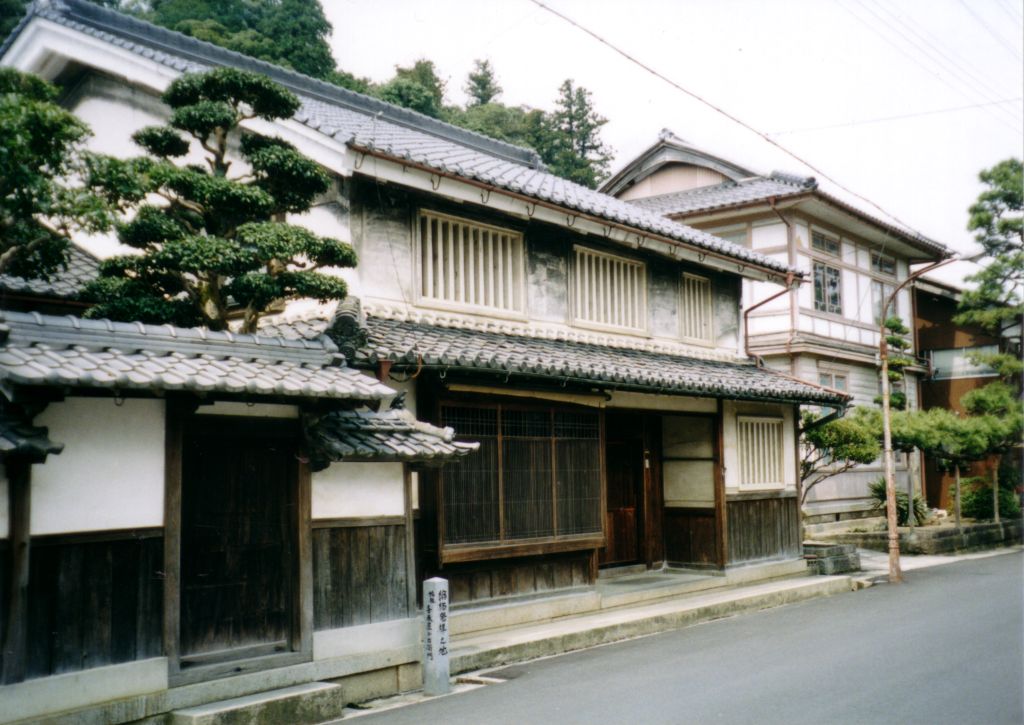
column 815, row 75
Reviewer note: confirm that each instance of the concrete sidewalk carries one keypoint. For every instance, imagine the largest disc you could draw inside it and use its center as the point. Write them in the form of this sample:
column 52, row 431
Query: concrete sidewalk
column 874, row 565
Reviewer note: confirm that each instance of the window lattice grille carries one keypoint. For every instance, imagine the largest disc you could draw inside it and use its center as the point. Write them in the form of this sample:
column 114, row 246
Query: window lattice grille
column 760, row 451
column 610, row 291
column 470, row 265
column 696, row 317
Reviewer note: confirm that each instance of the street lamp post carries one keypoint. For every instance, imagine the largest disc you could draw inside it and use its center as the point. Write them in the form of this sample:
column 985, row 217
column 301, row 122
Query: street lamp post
column 895, row 575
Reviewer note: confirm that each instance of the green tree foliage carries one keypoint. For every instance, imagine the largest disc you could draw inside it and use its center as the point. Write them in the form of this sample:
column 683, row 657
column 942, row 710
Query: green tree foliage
column 42, row 201
column 291, row 33
column 574, row 149
column 11, row 11
column 418, row 87
column 898, row 344
column 210, row 247
column 829, row 449
column 481, row 85
column 995, row 303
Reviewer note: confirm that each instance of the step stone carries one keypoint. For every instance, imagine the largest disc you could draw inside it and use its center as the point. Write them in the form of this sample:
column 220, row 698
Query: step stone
column 316, row 702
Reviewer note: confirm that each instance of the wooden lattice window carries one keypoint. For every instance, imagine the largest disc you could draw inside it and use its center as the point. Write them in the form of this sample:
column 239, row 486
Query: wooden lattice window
column 468, row 265
column 697, row 311
column 760, row 448
column 536, row 478
column 610, row 291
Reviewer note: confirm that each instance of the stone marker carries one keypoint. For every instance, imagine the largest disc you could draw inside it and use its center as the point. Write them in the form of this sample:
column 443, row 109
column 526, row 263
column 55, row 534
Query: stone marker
column 436, row 679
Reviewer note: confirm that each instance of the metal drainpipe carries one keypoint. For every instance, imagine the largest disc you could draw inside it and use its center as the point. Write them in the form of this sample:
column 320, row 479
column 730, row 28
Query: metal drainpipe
column 746, row 318
column 792, row 263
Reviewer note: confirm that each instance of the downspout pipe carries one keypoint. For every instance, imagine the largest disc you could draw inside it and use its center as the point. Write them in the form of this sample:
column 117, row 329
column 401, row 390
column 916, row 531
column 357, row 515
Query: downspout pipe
column 790, row 277
column 791, row 252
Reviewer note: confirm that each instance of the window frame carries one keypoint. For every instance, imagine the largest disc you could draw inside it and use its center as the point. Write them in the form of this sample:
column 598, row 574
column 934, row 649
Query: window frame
column 742, row 483
column 575, row 292
column 876, row 264
column 517, row 239
column 708, row 341
column 828, row 241
column 880, row 291
column 512, row 547
column 828, row 307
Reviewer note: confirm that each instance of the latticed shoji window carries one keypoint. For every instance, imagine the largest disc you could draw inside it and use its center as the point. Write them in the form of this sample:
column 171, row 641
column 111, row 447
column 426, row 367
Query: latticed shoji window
column 610, row 291
column 696, row 309
column 759, row 446
column 465, row 264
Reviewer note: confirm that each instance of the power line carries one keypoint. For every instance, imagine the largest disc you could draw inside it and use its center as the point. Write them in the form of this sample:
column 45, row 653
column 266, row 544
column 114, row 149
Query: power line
column 882, row 119
column 967, row 75
column 988, row 28
column 914, row 59
column 719, row 110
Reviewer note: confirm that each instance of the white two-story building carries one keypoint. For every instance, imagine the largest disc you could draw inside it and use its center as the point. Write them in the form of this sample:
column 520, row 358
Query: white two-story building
column 825, row 330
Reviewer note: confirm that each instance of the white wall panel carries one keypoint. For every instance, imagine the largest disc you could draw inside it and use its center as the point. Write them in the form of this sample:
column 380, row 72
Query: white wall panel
column 110, row 474
column 358, row 489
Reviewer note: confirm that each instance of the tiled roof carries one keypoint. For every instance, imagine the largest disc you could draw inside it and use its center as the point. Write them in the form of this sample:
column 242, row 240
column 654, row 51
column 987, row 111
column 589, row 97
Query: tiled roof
column 762, row 188
column 367, row 123
column 411, row 344
column 65, row 283
column 393, row 435
column 18, row 437
column 728, row 193
column 71, row 352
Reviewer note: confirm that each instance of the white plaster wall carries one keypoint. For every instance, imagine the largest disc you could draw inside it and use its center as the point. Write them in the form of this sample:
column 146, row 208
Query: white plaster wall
column 766, row 236
column 358, row 489
column 110, row 474
column 730, row 455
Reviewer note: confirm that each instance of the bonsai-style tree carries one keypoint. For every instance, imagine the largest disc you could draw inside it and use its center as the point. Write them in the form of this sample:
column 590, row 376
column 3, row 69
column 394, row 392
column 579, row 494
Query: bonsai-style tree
column 213, row 245
column 42, row 160
column 834, row 447
column 1003, row 412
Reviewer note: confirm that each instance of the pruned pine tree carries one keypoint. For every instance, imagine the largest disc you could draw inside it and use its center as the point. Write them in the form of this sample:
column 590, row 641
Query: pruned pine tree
column 211, row 242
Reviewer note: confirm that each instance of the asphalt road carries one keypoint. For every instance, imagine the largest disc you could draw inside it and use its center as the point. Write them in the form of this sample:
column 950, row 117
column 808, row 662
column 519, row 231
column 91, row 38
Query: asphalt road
column 947, row 646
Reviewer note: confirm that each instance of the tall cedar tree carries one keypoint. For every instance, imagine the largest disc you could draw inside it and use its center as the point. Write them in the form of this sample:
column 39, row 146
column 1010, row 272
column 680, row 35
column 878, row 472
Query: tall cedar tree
column 211, row 244
column 996, row 303
column 481, row 85
column 42, row 159
column 576, row 151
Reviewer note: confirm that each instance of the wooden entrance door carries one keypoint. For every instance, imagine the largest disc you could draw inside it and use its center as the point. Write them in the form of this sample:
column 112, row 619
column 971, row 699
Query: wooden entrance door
column 624, row 466
column 239, row 539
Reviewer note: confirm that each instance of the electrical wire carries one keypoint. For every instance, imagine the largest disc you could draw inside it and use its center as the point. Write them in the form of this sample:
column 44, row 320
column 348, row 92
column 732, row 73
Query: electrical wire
column 900, row 117
column 914, row 59
column 722, row 112
column 988, row 28
column 975, row 81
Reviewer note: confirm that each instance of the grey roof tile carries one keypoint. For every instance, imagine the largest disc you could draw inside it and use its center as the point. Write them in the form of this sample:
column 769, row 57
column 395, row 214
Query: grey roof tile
column 371, row 124
column 65, row 283
column 19, row 438
column 68, row 351
column 728, row 193
column 393, row 435
column 408, row 344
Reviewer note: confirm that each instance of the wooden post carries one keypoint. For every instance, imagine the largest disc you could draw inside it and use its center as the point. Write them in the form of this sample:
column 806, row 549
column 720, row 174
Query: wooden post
column 721, row 524
column 16, row 631
column 995, row 491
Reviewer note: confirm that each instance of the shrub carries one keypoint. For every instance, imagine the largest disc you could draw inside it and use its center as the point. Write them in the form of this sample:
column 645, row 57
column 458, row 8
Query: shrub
column 920, row 509
column 976, row 499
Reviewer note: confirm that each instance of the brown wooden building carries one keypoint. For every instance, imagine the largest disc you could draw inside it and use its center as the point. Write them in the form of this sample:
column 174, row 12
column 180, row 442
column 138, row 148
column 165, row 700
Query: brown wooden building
column 948, row 348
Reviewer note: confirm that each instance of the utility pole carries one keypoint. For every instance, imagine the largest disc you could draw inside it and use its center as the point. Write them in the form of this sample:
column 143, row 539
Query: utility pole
column 895, row 574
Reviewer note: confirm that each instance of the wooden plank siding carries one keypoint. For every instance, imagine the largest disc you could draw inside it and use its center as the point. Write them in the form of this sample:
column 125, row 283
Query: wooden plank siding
column 763, row 528
column 691, row 537
column 513, row 577
column 359, row 575
column 94, row 602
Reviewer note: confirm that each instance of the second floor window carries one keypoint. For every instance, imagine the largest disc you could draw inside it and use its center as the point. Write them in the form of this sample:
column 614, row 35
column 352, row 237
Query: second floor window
column 828, row 293
column 883, row 263
column 696, row 308
column 467, row 265
column 824, row 243
column 880, row 294
column 610, row 291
